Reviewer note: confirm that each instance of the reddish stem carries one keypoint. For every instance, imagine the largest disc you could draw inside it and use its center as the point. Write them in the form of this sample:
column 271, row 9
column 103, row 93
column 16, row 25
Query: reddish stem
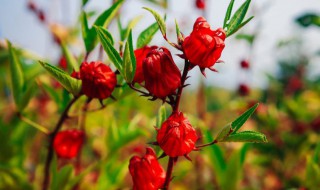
column 169, row 173
column 51, row 136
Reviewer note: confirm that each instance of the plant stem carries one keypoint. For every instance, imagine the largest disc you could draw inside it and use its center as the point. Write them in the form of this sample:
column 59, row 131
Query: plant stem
column 33, row 124
column 169, row 173
column 183, row 80
column 51, row 136
column 204, row 145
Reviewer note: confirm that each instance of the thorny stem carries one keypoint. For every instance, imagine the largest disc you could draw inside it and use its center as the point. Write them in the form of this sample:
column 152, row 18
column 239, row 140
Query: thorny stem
column 183, row 80
column 51, row 136
column 169, row 173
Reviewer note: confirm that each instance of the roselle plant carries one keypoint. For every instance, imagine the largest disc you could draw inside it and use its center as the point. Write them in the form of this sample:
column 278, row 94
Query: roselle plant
column 149, row 70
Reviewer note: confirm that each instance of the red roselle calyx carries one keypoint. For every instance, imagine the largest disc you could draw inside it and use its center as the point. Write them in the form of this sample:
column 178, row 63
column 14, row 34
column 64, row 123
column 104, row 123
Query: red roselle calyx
column 177, row 137
column 244, row 90
column 201, row 4
column 162, row 76
column 245, row 64
column 203, row 47
column 140, row 55
column 68, row 143
column 146, row 172
column 98, row 80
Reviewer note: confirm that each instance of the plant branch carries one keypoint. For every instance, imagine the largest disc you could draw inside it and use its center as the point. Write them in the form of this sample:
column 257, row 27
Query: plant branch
column 183, row 80
column 169, row 173
column 34, row 124
column 52, row 135
column 209, row 144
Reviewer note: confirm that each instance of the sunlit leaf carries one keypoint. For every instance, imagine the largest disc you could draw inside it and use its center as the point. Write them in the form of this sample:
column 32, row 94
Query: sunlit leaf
column 129, row 60
column 228, row 14
column 162, row 116
column 237, row 124
column 71, row 60
column 246, row 136
column 146, row 36
column 237, row 18
column 159, row 19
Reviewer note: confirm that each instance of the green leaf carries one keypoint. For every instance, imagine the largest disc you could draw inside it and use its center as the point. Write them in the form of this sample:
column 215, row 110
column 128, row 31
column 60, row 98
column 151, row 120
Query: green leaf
column 160, row 21
column 113, row 54
column 105, row 18
column 129, row 60
column 69, row 83
column 162, row 116
column 247, row 37
column 17, row 78
column 240, row 26
column 228, row 14
column 88, row 38
column 27, row 94
column 237, row 18
column 146, row 36
column 71, row 60
column 84, row 2
column 132, row 23
column 225, row 132
column 237, row 124
column 247, row 136
column 61, row 177
column 178, row 33
column 308, row 19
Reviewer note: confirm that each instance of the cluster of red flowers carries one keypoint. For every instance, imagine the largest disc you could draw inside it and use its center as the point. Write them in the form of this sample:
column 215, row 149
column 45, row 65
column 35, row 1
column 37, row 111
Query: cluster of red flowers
column 157, row 72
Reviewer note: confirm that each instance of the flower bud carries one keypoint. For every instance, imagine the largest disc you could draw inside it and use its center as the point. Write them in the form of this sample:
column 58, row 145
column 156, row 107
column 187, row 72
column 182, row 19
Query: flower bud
column 67, row 144
column 41, row 16
column 146, row 172
column 201, row 4
column 245, row 64
column 98, row 80
column 162, row 76
column 203, row 47
column 177, row 137
column 140, row 55
column 63, row 63
column 244, row 90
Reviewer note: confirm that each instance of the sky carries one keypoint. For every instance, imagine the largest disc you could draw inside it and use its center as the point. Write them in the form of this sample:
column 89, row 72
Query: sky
column 274, row 19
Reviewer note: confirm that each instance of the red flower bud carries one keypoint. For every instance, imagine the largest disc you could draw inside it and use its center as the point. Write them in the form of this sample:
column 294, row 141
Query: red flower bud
column 200, row 4
column 245, row 64
column 41, row 16
column 63, row 63
column 146, row 172
column 98, row 80
column 141, row 54
column 244, row 90
column 32, row 6
column 162, row 76
column 68, row 143
column 204, row 46
column 177, row 137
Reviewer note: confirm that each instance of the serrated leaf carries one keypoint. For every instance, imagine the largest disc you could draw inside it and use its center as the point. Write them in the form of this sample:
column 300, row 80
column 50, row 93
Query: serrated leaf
column 17, row 78
column 225, row 132
column 129, row 60
column 228, row 14
column 71, row 60
column 162, row 116
column 69, row 83
column 160, row 21
column 112, row 53
column 237, row 124
column 146, row 36
column 246, row 136
column 240, row 26
column 237, row 18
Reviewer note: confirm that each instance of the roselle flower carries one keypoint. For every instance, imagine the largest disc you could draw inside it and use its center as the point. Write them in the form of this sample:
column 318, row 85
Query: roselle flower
column 63, row 63
column 146, row 172
column 140, row 55
column 162, row 76
column 200, row 4
column 98, row 80
column 68, row 143
column 244, row 90
column 245, row 64
column 203, row 47
column 177, row 137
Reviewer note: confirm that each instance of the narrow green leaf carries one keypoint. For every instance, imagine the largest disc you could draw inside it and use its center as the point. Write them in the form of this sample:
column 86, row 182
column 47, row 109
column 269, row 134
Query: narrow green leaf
column 160, row 21
column 247, row 37
column 54, row 95
column 84, row 2
column 113, row 54
column 129, row 60
column 246, row 136
column 237, row 124
column 224, row 133
column 61, row 177
column 146, row 36
column 71, row 60
column 27, row 94
column 17, row 78
column 69, row 83
column 179, row 36
column 162, row 116
column 88, row 39
column 238, row 17
column 105, row 18
column 132, row 23
column 240, row 26
column 228, row 14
